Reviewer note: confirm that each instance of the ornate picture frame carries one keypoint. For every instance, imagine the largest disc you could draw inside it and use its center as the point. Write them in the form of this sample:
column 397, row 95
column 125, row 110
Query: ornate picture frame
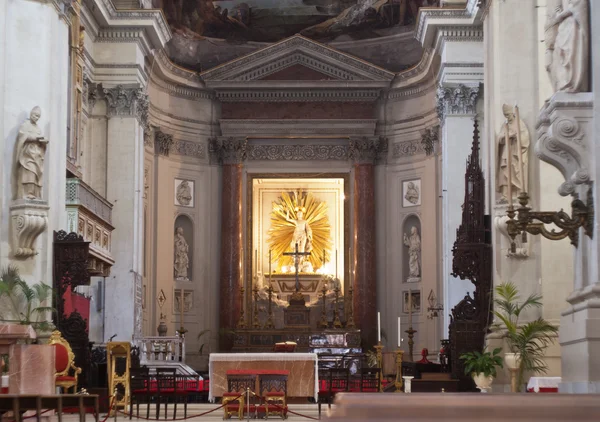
column 183, row 195
column 416, row 301
column 411, row 193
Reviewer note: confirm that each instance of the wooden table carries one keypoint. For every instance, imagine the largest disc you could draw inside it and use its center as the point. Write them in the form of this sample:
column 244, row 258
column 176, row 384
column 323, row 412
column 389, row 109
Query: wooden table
column 18, row 403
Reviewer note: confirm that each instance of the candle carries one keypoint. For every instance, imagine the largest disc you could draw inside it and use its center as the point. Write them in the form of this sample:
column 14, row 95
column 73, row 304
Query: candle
column 399, row 333
column 509, row 165
column 379, row 327
column 336, row 273
column 410, row 308
column 519, row 150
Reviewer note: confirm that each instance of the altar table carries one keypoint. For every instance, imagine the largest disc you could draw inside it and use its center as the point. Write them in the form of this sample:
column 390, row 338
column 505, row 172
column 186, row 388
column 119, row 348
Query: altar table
column 302, row 367
column 543, row 384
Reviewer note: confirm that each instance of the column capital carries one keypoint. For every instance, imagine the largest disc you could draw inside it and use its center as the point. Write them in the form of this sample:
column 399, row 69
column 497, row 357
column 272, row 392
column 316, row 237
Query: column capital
column 229, row 150
column 457, row 100
column 162, row 142
column 127, row 102
column 367, row 150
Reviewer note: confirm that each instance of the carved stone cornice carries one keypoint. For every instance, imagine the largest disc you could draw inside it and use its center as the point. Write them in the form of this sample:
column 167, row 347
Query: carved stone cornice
column 29, row 220
column 407, row 149
column 430, row 138
column 367, row 150
column 229, row 150
column 566, row 138
column 457, row 100
column 163, row 142
column 307, row 94
column 297, row 152
column 123, row 101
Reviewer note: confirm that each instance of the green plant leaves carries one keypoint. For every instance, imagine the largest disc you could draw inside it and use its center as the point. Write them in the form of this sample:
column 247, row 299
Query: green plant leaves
column 486, row 362
column 27, row 303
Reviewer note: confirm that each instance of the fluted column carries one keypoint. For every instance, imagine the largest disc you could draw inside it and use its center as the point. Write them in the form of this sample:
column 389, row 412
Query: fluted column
column 364, row 152
column 231, row 152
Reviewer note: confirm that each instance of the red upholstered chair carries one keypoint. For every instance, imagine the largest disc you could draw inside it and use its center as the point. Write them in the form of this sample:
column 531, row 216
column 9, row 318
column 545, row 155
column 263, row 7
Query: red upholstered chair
column 370, row 380
column 233, row 404
column 64, row 363
column 273, row 389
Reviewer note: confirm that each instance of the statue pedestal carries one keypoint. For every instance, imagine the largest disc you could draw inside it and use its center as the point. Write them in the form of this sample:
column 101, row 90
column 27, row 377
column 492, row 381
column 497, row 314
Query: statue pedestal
column 297, row 315
column 29, row 219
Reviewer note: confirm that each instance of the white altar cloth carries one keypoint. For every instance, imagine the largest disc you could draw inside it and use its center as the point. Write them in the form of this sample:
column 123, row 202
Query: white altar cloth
column 274, row 361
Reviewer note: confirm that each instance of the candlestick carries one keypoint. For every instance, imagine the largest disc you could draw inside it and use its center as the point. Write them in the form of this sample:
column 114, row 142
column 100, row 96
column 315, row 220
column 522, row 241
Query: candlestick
column 508, row 165
column 519, row 150
column 379, row 354
column 398, row 383
column 336, row 268
column 181, row 329
column 255, row 262
column 379, row 326
column 399, row 333
column 269, row 267
column 410, row 307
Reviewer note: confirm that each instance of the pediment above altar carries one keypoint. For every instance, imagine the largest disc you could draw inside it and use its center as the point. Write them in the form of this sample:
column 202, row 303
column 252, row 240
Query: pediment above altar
column 297, row 58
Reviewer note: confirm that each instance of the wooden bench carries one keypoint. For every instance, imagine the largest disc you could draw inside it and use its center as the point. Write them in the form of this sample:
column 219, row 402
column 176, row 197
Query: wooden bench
column 20, row 403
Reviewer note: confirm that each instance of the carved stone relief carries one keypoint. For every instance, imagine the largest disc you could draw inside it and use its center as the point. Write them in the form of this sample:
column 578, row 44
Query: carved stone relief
column 188, row 301
column 411, row 193
column 430, row 138
column 31, row 151
column 123, row 101
column 229, row 150
column 297, row 152
column 162, row 142
column 407, row 149
column 367, row 150
column 184, row 193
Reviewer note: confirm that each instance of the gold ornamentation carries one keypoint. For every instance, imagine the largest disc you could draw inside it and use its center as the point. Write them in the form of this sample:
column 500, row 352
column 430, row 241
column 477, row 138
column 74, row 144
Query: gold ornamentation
column 63, row 377
column 282, row 229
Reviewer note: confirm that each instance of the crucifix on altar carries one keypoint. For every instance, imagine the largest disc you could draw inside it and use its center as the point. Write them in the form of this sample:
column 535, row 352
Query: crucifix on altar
column 297, row 256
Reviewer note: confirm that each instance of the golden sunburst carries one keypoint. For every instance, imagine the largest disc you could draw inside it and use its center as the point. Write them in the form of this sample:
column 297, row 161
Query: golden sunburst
column 282, row 229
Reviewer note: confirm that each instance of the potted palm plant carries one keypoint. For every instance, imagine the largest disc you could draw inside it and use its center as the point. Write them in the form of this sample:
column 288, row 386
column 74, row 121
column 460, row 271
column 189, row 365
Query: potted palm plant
column 527, row 341
column 482, row 367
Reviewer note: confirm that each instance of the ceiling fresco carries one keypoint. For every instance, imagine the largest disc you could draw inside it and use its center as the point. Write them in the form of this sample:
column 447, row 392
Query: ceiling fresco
column 206, row 32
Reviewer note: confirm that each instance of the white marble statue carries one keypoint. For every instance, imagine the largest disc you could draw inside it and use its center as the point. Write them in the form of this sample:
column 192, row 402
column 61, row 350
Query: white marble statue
column 302, row 234
column 414, row 253
column 519, row 177
column 184, row 193
column 567, row 39
column 182, row 261
column 412, row 193
column 31, row 150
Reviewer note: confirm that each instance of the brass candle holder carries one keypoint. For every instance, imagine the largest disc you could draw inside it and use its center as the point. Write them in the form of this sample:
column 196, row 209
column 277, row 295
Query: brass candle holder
column 255, row 321
column 533, row 222
column 398, row 383
column 337, row 323
column 350, row 321
column 242, row 321
column 323, row 322
column 379, row 354
column 269, row 325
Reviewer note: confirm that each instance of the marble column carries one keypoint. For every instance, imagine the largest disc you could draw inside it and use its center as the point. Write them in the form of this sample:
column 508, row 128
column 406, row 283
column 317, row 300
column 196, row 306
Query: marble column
column 124, row 188
column 364, row 152
column 231, row 152
column 456, row 110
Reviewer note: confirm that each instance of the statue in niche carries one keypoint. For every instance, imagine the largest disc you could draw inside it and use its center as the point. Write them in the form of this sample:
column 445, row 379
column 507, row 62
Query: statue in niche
column 519, row 176
column 413, row 242
column 567, row 38
column 184, row 193
column 412, row 193
column 302, row 237
column 31, row 150
column 181, row 256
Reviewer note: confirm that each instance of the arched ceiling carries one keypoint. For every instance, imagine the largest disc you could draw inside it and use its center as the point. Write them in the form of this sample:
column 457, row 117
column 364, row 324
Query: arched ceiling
column 207, row 33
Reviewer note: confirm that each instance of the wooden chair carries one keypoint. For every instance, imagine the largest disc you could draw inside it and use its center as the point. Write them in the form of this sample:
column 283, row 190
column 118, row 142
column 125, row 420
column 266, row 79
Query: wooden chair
column 233, row 404
column 64, row 362
column 338, row 381
column 140, row 387
column 273, row 389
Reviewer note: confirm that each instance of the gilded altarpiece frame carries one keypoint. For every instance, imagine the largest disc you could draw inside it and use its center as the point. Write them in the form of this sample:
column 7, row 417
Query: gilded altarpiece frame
column 248, row 255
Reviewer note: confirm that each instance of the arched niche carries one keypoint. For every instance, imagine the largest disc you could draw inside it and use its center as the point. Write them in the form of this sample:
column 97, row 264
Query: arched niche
column 185, row 225
column 410, row 222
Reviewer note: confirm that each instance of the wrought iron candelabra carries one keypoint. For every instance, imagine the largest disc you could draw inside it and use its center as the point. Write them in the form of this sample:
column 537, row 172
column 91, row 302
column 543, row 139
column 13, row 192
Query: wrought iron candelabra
column 242, row 322
column 350, row 309
column 533, row 222
column 269, row 324
column 255, row 321
column 323, row 322
column 337, row 323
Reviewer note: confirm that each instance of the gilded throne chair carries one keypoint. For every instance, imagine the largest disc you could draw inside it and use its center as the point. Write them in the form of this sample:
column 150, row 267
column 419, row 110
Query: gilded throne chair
column 64, row 363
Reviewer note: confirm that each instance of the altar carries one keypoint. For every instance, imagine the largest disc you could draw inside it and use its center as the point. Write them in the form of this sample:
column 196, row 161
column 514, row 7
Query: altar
column 302, row 367
column 310, row 285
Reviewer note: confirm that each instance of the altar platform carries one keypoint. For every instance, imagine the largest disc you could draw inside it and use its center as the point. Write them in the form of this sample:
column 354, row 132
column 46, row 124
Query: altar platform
column 307, row 340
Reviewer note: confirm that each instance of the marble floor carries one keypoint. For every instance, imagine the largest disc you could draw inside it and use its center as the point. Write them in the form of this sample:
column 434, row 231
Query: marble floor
column 310, row 410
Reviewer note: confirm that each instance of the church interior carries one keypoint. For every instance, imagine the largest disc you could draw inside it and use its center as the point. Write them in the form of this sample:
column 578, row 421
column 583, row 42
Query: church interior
column 168, row 232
